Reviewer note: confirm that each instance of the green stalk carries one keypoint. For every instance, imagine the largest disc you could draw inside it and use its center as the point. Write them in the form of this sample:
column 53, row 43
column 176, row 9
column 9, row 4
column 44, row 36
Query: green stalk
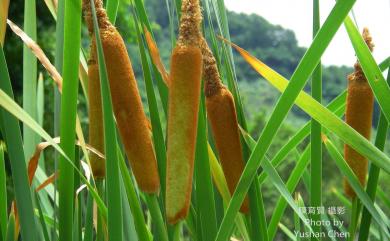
column 78, row 200
column 11, row 228
column 155, row 212
column 263, row 223
column 3, row 196
column 203, row 183
column 114, row 202
column 373, row 176
column 315, row 134
column 71, row 58
column 29, row 78
column 57, row 95
column 100, row 222
column 88, row 223
column 291, row 184
column 41, row 217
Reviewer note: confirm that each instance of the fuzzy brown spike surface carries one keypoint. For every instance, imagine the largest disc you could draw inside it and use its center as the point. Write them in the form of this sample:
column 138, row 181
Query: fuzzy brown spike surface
column 184, row 98
column 130, row 117
column 221, row 113
column 360, row 103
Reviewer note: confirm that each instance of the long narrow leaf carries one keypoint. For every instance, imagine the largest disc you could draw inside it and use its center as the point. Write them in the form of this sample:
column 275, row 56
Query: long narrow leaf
column 71, row 56
column 3, row 197
column 114, row 202
column 370, row 68
column 13, row 139
column 315, row 133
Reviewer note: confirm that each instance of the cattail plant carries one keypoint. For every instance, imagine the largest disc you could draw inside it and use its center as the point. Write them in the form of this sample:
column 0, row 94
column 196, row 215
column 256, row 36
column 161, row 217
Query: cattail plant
column 221, row 113
column 130, row 117
column 360, row 102
column 184, row 97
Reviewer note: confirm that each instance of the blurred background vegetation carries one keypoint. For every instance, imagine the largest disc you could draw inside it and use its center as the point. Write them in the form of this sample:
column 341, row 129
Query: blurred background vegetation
column 273, row 44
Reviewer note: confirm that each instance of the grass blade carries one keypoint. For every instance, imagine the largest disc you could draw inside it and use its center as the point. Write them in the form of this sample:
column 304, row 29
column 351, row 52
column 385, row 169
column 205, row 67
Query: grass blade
column 88, row 223
column 29, row 78
column 58, row 62
column 221, row 184
column 337, row 106
column 129, row 232
column 3, row 197
column 327, row 119
column 204, row 186
column 287, row 231
column 112, row 10
column 11, row 229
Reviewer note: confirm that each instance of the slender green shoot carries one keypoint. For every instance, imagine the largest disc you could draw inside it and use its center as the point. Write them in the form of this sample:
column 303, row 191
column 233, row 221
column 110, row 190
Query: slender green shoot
column 315, row 133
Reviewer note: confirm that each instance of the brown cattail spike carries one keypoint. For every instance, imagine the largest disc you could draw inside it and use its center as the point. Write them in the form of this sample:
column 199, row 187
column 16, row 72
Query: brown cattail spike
column 221, row 113
column 360, row 102
column 184, row 97
column 130, row 117
column 189, row 30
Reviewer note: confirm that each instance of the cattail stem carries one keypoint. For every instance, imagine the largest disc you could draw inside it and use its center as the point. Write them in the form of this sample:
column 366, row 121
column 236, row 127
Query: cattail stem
column 221, row 113
column 184, row 97
column 130, row 117
column 360, row 102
